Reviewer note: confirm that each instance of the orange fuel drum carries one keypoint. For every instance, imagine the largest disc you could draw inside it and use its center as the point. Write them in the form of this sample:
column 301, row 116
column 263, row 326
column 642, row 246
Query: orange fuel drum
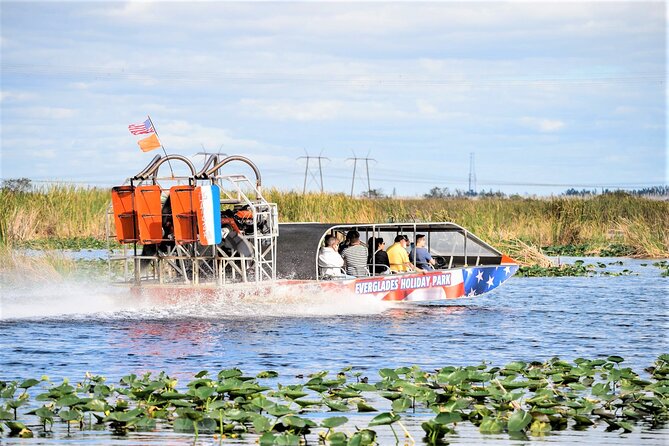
column 184, row 203
column 125, row 218
column 149, row 214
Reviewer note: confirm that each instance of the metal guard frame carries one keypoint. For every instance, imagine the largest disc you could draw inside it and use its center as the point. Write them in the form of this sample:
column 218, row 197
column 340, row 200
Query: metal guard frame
column 192, row 263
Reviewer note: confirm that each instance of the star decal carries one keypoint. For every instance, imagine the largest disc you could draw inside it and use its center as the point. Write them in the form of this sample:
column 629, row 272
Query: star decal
column 479, row 276
column 507, row 270
column 490, row 281
column 472, row 293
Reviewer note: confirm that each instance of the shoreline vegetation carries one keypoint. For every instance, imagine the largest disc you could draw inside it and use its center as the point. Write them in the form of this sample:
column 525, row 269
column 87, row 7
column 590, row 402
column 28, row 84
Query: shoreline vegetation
column 522, row 399
column 527, row 229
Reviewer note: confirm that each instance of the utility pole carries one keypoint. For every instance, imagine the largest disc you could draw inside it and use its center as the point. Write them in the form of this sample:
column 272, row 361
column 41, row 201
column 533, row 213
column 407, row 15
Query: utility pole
column 472, row 175
column 307, row 171
column 355, row 160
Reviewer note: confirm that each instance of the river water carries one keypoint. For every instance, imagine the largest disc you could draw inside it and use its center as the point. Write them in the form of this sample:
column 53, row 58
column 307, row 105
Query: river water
column 67, row 328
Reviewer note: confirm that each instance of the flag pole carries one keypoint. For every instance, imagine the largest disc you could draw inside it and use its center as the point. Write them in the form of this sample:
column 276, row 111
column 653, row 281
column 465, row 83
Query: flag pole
column 161, row 144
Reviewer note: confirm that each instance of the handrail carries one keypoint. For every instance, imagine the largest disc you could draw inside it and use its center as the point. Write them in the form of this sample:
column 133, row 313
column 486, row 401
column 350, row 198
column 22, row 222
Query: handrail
column 237, row 158
column 154, row 168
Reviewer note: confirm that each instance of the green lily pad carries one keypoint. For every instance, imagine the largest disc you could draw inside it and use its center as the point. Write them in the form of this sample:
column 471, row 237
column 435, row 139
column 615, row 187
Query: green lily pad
column 336, row 406
column 70, row 415
column 389, row 374
column 364, row 407
column 384, row 419
column 28, row 383
column 18, row 429
column 293, row 421
column 448, row 417
column 518, row 421
column 333, row 422
column 491, row 426
column 539, row 427
column 401, row 404
column 364, row 437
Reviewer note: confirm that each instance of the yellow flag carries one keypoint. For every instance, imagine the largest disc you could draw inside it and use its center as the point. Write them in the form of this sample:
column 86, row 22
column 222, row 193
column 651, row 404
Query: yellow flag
column 149, row 143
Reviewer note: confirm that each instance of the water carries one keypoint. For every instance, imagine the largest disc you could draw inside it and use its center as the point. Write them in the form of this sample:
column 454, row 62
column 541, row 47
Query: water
column 63, row 330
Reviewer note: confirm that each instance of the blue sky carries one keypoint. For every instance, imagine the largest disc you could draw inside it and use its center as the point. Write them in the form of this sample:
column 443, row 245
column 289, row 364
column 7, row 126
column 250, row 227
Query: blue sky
column 546, row 95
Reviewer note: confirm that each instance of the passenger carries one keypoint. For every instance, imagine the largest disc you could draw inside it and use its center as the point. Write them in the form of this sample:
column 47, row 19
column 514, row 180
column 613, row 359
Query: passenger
column 355, row 255
column 420, row 255
column 330, row 262
column 347, row 241
column 380, row 260
column 398, row 256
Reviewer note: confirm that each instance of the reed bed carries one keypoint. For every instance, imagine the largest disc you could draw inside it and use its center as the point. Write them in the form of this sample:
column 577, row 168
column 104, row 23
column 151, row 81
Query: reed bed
column 68, row 212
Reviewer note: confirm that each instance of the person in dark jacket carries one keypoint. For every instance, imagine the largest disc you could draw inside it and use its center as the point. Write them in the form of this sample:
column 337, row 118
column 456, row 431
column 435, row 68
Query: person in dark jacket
column 380, row 257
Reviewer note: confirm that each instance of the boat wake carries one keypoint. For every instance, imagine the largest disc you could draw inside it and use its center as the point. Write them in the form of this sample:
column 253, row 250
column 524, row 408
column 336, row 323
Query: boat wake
column 82, row 300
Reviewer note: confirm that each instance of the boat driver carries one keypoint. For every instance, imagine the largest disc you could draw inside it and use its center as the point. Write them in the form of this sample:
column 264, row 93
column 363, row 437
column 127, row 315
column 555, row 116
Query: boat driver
column 420, row 255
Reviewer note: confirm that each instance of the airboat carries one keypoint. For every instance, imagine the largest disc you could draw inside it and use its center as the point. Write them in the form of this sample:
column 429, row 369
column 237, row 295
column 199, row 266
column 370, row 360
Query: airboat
column 208, row 232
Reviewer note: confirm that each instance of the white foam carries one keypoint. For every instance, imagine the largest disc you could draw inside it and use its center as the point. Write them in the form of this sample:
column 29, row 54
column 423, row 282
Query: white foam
column 72, row 299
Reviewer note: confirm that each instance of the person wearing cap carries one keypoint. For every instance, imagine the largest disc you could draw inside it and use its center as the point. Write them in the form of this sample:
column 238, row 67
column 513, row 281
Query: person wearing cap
column 420, row 255
column 398, row 255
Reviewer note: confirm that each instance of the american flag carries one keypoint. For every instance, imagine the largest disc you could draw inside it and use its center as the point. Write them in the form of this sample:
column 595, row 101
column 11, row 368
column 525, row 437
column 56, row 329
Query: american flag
column 480, row 280
column 141, row 129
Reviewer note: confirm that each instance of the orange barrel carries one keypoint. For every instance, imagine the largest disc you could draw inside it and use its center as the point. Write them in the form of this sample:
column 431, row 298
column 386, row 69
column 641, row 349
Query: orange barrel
column 125, row 218
column 184, row 204
column 149, row 214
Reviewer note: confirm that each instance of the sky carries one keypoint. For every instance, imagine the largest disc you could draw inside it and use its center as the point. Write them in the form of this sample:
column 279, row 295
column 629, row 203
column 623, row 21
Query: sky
column 541, row 96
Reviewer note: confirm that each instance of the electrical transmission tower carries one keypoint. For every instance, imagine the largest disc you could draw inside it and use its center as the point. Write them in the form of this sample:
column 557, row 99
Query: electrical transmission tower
column 355, row 160
column 472, row 174
column 205, row 153
column 308, row 171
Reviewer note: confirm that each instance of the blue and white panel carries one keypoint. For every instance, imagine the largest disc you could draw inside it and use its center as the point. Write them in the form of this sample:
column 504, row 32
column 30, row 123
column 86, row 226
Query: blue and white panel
column 209, row 214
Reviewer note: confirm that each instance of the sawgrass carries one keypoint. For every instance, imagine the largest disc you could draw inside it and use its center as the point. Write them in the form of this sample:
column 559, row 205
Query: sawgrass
column 519, row 224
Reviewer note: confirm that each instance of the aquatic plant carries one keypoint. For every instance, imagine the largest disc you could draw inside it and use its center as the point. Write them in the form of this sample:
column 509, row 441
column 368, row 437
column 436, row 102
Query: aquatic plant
column 664, row 266
column 577, row 269
column 519, row 398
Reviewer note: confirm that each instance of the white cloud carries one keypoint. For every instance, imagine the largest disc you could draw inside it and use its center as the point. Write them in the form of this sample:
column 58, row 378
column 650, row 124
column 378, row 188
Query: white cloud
column 16, row 96
column 425, row 108
column 624, row 110
column 293, row 110
column 543, row 124
column 46, row 112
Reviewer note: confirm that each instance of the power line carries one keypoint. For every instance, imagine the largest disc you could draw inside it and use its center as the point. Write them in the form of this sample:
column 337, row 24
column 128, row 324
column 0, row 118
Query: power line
column 472, row 174
column 355, row 163
column 307, row 170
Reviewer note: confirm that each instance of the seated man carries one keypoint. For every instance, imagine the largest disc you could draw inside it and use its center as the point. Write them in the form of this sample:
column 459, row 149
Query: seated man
column 355, row 255
column 398, row 256
column 379, row 257
column 420, row 255
column 330, row 263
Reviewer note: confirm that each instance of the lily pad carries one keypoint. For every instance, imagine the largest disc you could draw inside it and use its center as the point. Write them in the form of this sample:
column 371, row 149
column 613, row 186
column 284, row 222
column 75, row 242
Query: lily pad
column 384, row 419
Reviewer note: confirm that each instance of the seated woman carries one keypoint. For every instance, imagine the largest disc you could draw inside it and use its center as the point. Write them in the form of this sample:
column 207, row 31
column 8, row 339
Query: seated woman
column 330, row 263
column 380, row 257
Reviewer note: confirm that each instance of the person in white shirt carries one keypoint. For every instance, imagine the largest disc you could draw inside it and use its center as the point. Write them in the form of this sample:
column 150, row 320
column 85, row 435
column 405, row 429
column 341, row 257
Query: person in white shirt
column 330, row 263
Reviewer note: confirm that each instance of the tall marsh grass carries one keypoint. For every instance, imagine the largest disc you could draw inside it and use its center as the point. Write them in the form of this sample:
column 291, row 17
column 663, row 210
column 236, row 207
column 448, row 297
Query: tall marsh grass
column 52, row 212
column 72, row 212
